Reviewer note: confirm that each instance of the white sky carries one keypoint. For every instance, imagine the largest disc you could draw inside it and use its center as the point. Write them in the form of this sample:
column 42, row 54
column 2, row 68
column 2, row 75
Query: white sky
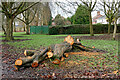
column 58, row 10
column 94, row 13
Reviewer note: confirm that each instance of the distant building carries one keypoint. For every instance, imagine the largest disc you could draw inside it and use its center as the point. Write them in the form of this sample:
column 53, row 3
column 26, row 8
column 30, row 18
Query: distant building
column 102, row 19
column 99, row 19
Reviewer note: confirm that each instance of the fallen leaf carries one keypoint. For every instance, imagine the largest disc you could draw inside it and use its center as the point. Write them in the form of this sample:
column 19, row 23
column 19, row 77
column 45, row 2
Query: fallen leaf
column 115, row 72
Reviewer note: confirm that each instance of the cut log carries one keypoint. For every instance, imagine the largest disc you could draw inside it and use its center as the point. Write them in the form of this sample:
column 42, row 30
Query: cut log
column 66, row 55
column 35, row 63
column 62, row 59
column 43, row 52
column 81, row 47
column 29, row 52
column 56, row 61
column 17, row 67
column 38, row 60
column 69, row 39
column 50, row 54
column 40, row 57
column 24, row 60
column 18, row 62
column 77, row 43
column 59, row 49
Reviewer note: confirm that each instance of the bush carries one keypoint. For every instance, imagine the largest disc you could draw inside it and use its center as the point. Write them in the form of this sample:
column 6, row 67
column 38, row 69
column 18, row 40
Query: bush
column 81, row 29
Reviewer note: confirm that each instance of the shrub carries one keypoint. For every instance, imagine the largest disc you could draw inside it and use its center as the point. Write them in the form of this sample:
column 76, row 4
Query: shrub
column 81, row 29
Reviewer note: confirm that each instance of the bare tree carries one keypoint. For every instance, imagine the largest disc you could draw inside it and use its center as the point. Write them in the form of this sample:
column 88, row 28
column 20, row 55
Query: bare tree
column 90, row 7
column 116, row 16
column 11, row 10
column 28, row 16
column 43, row 14
column 108, row 9
column 47, row 14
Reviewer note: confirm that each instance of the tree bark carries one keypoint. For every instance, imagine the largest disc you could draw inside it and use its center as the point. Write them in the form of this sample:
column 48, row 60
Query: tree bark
column 59, row 49
column 24, row 60
column 9, row 30
column 115, row 29
column 39, row 59
column 109, row 26
column 4, row 29
column 27, row 29
column 3, row 20
column 14, row 27
column 24, row 27
column 91, row 27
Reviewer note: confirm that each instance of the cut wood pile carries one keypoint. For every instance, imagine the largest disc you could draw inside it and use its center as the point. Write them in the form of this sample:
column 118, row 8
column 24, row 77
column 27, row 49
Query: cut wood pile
column 58, row 52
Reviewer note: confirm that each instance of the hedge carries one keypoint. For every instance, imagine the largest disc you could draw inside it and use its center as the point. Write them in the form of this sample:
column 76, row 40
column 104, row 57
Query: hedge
column 81, row 29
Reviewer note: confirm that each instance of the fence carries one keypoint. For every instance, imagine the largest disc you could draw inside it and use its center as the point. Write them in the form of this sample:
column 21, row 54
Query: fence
column 39, row 29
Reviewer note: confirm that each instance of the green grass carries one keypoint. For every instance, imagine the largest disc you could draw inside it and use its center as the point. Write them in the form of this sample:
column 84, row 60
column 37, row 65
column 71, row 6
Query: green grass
column 36, row 41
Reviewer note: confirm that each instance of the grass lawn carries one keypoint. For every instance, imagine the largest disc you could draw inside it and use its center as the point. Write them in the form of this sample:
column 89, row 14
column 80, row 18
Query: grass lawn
column 36, row 41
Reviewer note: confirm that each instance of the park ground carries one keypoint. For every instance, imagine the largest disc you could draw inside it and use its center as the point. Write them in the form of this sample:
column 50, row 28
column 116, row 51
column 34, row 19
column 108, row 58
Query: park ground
column 80, row 65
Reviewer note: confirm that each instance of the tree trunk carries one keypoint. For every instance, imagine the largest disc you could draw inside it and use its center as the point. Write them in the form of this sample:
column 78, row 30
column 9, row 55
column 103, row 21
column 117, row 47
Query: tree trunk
column 14, row 27
column 115, row 29
column 9, row 30
column 59, row 49
column 109, row 25
column 4, row 29
column 27, row 29
column 91, row 27
column 37, row 19
column 3, row 20
column 24, row 27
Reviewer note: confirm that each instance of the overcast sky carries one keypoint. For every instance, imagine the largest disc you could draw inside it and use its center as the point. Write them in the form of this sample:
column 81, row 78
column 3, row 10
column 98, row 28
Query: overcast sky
column 57, row 10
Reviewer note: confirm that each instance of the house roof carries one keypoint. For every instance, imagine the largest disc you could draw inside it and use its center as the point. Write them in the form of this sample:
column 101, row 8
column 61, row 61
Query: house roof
column 97, row 16
column 102, row 17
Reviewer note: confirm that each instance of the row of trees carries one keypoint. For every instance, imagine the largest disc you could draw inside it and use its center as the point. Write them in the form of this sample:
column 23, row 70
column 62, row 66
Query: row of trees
column 25, row 12
column 11, row 10
column 110, row 9
column 41, row 13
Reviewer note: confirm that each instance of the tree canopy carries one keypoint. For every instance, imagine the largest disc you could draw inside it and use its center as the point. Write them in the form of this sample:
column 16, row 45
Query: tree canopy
column 81, row 16
column 59, row 20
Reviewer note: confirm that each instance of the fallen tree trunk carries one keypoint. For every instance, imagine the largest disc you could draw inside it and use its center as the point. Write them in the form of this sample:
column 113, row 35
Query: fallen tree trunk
column 40, row 58
column 25, row 65
column 27, row 61
column 22, row 61
column 59, row 51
